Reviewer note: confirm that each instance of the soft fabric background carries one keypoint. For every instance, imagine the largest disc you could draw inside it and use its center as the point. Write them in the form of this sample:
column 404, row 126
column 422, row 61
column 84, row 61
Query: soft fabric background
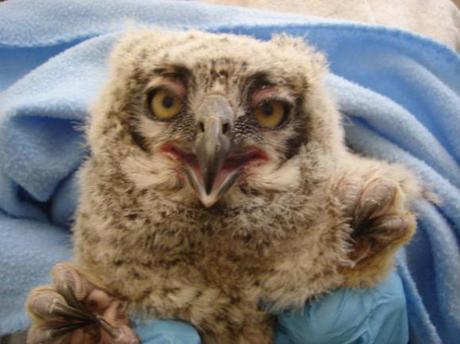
column 438, row 19
column 400, row 93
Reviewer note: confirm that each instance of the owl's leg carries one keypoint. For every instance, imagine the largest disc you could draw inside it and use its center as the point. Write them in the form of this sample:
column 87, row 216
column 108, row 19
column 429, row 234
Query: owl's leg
column 381, row 222
column 73, row 310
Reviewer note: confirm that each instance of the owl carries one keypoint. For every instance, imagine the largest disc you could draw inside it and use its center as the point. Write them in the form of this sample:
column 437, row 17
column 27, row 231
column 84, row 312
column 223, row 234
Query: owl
column 218, row 188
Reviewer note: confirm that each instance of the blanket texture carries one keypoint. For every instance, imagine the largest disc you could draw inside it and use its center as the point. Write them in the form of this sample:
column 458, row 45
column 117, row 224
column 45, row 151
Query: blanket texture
column 400, row 94
column 438, row 19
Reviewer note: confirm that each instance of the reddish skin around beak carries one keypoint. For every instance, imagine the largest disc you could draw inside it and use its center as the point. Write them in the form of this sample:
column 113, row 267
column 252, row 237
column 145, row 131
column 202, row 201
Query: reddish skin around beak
column 231, row 171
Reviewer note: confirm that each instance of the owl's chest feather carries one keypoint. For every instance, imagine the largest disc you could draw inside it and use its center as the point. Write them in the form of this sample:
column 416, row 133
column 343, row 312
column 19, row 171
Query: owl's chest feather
column 164, row 256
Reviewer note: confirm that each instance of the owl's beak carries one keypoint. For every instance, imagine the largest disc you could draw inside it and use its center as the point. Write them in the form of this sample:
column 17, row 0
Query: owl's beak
column 212, row 148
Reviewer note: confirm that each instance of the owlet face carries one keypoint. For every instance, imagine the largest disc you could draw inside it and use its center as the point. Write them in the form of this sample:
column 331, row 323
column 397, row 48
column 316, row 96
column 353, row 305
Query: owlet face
column 210, row 118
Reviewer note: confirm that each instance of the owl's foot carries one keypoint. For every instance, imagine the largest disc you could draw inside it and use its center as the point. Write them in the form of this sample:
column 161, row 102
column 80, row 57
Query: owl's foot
column 73, row 310
column 380, row 219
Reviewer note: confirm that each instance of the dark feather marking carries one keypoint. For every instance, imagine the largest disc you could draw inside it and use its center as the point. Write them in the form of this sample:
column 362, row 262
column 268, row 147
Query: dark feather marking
column 176, row 71
column 139, row 140
column 300, row 131
column 294, row 143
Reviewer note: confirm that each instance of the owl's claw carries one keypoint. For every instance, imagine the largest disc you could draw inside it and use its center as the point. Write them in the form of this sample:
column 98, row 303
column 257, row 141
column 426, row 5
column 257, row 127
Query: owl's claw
column 378, row 214
column 69, row 282
column 73, row 310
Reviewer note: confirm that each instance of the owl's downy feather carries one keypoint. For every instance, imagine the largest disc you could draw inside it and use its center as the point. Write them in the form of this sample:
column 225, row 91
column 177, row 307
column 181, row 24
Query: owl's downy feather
column 246, row 195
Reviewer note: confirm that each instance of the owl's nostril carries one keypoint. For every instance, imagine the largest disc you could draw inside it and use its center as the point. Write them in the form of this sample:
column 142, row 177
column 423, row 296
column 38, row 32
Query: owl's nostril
column 202, row 128
column 225, row 128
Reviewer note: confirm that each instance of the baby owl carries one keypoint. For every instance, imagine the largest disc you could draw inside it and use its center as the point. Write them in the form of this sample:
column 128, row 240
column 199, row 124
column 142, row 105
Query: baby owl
column 218, row 188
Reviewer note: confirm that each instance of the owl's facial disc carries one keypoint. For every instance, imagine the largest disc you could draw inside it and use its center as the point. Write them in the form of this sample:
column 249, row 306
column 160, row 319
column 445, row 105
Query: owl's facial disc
column 216, row 162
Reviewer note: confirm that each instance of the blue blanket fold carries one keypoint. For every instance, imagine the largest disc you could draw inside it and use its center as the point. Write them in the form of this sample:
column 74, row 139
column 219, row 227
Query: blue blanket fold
column 400, row 94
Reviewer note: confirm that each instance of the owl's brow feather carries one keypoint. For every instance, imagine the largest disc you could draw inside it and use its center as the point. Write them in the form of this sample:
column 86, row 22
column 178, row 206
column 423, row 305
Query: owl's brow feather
column 176, row 71
column 172, row 70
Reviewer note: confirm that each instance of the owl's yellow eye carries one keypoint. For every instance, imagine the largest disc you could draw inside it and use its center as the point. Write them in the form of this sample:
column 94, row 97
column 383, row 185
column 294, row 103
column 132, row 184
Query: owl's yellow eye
column 165, row 104
column 270, row 114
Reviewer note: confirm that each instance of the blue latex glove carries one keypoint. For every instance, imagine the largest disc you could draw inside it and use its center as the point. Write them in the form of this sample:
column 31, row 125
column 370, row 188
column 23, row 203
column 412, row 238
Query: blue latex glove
column 366, row 316
column 168, row 332
column 376, row 316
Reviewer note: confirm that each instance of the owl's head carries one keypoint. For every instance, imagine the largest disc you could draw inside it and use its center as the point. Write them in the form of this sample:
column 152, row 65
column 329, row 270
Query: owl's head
column 206, row 118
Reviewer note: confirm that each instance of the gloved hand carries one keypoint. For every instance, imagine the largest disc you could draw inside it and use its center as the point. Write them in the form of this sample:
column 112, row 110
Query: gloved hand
column 376, row 316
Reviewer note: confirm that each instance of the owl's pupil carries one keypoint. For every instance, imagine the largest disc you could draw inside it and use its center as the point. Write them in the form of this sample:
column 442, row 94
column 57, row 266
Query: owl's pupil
column 167, row 102
column 267, row 109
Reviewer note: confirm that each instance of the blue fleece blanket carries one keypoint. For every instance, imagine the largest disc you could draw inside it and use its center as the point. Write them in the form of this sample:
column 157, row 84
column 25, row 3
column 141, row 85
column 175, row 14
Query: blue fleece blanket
column 400, row 93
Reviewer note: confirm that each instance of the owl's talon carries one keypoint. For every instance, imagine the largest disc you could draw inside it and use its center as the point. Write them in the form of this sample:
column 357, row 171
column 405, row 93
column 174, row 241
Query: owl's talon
column 377, row 198
column 112, row 331
column 42, row 303
column 71, row 313
column 65, row 277
column 74, row 310
column 394, row 226
column 378, row 214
